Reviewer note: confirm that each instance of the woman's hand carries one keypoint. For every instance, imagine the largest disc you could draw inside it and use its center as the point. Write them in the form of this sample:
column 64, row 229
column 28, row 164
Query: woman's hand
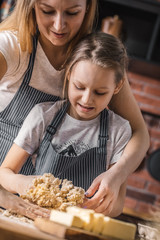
column 105, row 189
column 17, row 205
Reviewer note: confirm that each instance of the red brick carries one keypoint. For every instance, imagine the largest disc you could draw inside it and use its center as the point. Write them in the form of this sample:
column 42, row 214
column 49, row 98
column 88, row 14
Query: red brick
column 136, row 85
column 149, row 108
column 156, row 145
column 154, row 188
column 144, row 175
column 146, row 99
column 155, row 133
column 144, row 207
column 136, row 182
column 155, row 91
column 144, row 79
column 130, row 203
column 151, row 121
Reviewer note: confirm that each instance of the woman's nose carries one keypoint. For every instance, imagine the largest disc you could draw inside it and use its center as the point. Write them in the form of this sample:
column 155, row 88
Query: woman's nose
column 59, row 22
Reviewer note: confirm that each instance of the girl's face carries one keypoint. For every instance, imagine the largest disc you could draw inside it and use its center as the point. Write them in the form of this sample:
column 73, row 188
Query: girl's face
column 90, row 89
column 59, row 20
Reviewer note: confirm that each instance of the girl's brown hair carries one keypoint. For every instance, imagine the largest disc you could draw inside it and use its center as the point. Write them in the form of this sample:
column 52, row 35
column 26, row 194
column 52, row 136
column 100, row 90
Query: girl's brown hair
column 22, row 21
column 101, row 49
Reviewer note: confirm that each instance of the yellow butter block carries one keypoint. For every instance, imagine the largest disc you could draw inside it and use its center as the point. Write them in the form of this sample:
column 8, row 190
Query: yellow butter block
column 98, row 222
column 118, row 229
column 66, row 219
column 86, row 215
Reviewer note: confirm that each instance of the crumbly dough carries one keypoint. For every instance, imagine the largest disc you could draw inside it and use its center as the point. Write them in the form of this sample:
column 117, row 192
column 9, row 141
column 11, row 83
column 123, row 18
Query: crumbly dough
column 15, row 216
column 54, row 193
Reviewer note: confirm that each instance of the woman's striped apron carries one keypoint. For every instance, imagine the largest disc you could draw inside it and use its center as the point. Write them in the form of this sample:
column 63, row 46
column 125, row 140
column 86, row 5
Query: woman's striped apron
column 82, row 169
column 12, row 117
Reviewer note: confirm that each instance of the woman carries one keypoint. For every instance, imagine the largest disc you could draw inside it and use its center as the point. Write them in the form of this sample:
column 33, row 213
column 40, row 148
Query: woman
column 32, row 73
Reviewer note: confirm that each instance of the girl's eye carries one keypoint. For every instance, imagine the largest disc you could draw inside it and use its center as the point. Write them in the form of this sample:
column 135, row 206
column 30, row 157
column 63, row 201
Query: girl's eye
column 101, row 94
column 78, row 87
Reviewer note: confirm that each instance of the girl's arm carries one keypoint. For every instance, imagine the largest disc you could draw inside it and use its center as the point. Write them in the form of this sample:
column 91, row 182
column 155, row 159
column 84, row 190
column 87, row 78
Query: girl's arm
column 9, row 177
column 125, row 105
column 103, row 201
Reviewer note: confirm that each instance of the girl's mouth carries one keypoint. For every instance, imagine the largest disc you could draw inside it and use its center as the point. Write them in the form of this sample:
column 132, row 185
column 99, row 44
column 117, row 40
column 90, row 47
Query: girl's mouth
column 85, row 108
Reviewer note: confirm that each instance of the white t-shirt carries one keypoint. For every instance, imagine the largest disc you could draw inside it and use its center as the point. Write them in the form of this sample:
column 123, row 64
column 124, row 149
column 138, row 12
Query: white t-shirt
column 80, row 135
column 44, row 76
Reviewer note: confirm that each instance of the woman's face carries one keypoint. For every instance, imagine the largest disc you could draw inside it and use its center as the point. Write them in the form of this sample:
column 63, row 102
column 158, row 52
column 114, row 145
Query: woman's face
column 59, row 20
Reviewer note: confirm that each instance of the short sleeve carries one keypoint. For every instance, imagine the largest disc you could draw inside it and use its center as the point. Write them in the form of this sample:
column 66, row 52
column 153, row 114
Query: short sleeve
column 120, row 133
column 34, row 126
column 10, row 49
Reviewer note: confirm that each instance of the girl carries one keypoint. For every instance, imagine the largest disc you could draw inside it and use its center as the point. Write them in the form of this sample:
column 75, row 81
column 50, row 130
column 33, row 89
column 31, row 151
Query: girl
column 73, row 135
column 35, row 42
column 18, row 205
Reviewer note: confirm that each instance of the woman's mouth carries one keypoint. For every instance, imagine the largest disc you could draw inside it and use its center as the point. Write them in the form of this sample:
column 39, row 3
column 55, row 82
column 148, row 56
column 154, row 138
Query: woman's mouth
column 59, row 35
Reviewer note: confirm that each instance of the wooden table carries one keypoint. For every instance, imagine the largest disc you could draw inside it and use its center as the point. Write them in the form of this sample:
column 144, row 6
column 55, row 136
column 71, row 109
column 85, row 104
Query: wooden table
column 14, row 230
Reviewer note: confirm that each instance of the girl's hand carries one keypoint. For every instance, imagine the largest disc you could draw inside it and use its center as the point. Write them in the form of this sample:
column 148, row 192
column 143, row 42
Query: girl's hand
column 24, row 183
column 104, row 189
column 17, row 205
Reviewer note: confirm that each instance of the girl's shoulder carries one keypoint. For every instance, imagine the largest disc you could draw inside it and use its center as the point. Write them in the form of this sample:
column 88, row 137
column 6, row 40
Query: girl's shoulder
column 117, row 122
column 48, row 109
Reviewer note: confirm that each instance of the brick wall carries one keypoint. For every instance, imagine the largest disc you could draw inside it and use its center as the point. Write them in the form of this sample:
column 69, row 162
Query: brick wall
column 143, row 191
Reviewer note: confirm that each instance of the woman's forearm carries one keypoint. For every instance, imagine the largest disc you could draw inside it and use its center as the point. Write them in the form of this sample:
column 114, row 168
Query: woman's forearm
column 125, row 105
column 132, row 156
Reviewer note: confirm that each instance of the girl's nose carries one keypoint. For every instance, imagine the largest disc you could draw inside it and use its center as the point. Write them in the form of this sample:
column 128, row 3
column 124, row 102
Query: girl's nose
column 87, row 97
column 59, row 22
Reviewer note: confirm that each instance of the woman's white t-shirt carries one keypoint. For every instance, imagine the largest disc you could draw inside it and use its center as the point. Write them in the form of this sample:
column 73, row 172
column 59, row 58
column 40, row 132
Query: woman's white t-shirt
column 44, row 76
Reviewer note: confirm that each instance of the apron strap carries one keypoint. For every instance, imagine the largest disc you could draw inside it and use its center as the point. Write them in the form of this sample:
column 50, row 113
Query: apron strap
column 52, row 128
column 29, row 70
column 103, row 134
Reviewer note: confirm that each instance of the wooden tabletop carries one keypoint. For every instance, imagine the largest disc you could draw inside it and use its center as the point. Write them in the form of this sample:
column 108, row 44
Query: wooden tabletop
column 11, row 229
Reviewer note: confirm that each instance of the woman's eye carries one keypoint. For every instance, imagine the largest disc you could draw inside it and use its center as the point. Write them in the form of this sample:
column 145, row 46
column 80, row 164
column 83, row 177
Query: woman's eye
column 47, row 12
column 72, row 13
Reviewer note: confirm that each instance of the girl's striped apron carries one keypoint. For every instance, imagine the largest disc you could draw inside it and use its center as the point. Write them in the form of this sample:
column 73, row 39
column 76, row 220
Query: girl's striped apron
column 82, row 169
column 12, row 117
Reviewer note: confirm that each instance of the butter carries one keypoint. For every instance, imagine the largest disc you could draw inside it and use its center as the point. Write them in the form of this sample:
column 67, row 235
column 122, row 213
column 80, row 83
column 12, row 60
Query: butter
column 86, row 215
column 98, row 222
column 118, row 229
column 66, row 219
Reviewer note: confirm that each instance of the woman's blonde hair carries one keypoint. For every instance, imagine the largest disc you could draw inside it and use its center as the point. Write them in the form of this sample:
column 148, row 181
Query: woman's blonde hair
column 23, row 21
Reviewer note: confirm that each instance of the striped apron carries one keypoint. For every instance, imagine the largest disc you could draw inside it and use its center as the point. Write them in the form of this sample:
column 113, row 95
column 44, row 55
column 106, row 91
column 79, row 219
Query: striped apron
column 82, row 169
column 12, row 117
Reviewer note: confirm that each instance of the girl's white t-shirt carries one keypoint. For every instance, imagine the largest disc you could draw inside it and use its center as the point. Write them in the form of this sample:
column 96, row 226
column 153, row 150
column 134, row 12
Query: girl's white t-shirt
column 79, row 135
column 44, row 77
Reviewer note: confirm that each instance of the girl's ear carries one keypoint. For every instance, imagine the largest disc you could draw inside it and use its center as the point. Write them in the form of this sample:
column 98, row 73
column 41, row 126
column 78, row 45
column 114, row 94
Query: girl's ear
column 119, row 86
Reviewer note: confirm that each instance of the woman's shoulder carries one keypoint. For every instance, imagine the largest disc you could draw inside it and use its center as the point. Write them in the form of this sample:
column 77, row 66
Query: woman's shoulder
column 11, row 50
column 9, row 37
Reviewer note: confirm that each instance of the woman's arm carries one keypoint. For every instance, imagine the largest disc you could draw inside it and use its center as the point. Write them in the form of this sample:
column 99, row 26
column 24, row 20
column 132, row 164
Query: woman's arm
column 9, row 177
column 16, row 204
column 3, row 65
column 125, row 105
